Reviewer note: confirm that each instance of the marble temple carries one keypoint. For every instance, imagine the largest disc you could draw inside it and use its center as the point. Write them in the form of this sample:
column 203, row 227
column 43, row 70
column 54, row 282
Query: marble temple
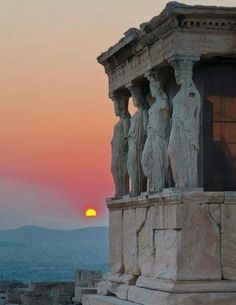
column 173, row 215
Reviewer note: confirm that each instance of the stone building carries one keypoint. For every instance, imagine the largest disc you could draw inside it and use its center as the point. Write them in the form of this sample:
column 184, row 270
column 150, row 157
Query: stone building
column 173, row 217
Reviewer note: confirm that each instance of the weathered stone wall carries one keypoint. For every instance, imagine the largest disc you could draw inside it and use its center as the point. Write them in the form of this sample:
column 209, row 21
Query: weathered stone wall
column 169, row 237
column 173, row 247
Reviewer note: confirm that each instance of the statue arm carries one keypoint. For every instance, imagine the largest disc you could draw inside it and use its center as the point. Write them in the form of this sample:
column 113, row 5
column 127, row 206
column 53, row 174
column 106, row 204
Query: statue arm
column 145, row 121
column 126, row 126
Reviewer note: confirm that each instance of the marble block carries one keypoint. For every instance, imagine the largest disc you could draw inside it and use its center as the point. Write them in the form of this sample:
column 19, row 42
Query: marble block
column 228, row 248
column 154, row 297
column 104, row 300
column 130, row 251
column 115, row 241
column 145, row 245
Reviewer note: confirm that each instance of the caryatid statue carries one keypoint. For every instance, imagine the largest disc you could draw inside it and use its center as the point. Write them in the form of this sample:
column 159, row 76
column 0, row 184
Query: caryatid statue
column 184, row 137
column 154, row 159
column 119, row 145
column 136, row 138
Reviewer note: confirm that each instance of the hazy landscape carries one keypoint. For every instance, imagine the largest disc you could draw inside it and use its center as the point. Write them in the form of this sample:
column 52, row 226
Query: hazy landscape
column 35, row 254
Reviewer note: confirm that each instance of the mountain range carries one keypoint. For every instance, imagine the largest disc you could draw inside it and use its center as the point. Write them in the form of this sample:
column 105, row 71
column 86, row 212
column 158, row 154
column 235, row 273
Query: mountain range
column 39, row 254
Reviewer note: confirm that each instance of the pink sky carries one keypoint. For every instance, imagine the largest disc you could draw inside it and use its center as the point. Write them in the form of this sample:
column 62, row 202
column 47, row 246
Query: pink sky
column 56, row 118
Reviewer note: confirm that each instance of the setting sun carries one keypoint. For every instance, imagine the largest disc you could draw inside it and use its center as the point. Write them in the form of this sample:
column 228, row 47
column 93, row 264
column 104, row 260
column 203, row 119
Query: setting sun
column 90, row 213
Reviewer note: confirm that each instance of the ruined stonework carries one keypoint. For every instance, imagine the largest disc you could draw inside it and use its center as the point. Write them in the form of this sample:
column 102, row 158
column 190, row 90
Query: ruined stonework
column 85, row 283
column 48, row 293
column 173, row 232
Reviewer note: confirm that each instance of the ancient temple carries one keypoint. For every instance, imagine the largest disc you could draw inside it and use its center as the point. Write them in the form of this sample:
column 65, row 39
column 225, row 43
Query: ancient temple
column 173, row 217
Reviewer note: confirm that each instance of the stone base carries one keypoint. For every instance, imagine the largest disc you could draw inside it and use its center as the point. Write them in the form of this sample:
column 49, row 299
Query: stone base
column 173, row 248
column 151, row 297
column 104, row 300
column 186, row 286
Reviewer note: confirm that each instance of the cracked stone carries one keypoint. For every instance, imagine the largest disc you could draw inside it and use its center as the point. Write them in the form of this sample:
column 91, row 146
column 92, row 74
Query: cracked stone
column 130, row 253
column 192, row 253
column 115, row 241
column 146, row 251
column 228, row 249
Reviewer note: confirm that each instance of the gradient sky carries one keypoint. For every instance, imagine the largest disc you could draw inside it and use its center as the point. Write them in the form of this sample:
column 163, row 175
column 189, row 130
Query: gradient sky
column 56, row 118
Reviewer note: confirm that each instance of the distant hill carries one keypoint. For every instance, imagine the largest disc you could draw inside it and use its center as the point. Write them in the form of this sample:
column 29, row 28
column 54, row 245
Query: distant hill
column 34, row 253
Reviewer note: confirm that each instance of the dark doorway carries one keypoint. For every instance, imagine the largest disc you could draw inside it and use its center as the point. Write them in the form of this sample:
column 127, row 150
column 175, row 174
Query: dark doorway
column 220, row 143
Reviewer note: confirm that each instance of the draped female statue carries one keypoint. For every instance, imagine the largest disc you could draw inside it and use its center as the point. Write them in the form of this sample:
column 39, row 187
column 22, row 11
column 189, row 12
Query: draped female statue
column 137, row 138
column 119, row 146
column 184, row 137
column 154, row 159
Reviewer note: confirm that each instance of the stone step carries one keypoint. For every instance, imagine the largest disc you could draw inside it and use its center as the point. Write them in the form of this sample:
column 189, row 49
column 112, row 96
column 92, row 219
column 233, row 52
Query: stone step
column 89, row 299
column 138, row 296
column 153, row 297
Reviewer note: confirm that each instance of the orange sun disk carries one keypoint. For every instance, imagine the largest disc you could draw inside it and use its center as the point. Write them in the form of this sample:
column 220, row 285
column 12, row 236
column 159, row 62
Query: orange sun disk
column 90, row 213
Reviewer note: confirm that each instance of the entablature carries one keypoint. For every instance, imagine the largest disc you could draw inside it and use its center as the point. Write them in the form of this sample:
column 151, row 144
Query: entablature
column 182, row 30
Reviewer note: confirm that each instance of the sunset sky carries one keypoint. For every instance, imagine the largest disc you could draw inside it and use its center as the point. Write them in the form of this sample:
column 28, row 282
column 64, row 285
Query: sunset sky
column 56, row 118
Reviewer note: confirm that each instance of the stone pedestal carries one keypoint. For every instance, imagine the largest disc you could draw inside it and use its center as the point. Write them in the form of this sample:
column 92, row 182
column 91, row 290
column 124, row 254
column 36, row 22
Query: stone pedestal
column 177, row 247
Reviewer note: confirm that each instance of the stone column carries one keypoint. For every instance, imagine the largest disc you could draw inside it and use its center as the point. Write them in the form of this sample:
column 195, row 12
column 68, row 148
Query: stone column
column 119, row 145
column 137, row 137
column 184, row 137
column 154, row 159
column 120, row 175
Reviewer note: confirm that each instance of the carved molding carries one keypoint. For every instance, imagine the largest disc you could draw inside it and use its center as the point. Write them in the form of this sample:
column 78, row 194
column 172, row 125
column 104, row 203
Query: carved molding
column 180, row 29
column 176, row 17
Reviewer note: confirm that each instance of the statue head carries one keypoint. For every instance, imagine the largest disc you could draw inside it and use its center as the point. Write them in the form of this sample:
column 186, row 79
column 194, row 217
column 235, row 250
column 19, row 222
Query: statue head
column 150, row 100
column 154, row 86
column 183, row 71
column 137, row 95
column 120, row 104
column 116, row 107
column 179, row 77
column 123, row 103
